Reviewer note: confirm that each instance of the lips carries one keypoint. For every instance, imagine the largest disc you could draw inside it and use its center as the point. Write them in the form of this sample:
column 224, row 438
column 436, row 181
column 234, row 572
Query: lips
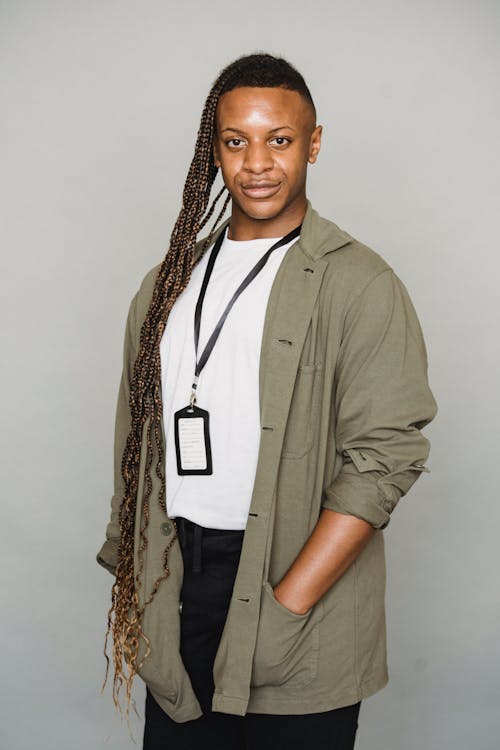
column 260, row 189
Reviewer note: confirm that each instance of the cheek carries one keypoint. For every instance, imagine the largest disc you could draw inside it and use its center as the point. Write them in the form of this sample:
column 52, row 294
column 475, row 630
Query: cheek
column 229, row 165
column 294, row 169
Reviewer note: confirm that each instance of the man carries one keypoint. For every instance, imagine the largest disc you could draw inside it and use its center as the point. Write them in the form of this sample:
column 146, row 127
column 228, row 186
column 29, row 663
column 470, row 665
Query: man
column 268, row 422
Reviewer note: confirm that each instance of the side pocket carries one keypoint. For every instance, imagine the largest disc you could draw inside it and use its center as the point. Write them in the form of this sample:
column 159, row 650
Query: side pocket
column 286, row 651
column 161, row 668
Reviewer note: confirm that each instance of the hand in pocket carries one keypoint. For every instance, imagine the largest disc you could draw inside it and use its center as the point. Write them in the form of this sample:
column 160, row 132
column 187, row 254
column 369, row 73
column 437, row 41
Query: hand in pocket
column 286, row 646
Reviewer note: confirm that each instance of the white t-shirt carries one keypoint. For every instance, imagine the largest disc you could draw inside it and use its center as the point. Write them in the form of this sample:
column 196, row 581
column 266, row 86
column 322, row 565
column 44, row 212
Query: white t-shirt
column 228, row 385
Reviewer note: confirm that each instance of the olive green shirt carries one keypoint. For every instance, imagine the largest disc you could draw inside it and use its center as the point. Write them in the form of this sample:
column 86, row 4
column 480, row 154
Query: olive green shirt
column 344, row 396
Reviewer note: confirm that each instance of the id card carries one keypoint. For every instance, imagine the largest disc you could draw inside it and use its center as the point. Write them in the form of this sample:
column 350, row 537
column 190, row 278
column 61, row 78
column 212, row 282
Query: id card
column 192, row 441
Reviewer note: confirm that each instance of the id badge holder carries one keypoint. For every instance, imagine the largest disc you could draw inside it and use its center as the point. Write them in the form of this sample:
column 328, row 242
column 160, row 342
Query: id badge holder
column 192, row 441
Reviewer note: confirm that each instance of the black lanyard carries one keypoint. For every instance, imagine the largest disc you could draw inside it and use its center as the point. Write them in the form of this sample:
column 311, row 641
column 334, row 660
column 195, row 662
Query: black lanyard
column 246, row 281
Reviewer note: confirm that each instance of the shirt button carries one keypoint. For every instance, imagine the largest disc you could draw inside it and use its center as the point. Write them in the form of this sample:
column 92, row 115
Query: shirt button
column 180, row 607
column 166, row 528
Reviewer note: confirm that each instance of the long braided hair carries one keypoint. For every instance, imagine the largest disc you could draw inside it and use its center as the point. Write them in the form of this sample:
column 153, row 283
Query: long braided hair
column 125, row 614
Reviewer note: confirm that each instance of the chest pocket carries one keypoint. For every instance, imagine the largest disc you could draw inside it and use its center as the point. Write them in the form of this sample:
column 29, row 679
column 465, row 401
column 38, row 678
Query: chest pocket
column 302, row 420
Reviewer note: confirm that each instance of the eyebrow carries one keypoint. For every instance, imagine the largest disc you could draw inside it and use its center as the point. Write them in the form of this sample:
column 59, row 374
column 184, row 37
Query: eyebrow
column 274, row 130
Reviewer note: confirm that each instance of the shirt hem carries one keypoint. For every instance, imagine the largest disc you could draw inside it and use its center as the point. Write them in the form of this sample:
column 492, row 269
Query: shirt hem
column 182, row 713
column 265, row 704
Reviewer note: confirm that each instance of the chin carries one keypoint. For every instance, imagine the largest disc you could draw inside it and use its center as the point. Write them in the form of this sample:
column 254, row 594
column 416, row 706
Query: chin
column 261, row 210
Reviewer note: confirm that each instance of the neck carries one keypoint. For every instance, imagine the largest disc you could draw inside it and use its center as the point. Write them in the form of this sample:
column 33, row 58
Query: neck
column 244, row 227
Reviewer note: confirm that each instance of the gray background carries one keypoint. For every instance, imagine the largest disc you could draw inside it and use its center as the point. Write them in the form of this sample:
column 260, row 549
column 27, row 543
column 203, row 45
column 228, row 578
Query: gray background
column 101, row 103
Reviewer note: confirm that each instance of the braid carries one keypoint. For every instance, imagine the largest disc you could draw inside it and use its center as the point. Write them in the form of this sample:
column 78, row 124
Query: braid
column 125, row 615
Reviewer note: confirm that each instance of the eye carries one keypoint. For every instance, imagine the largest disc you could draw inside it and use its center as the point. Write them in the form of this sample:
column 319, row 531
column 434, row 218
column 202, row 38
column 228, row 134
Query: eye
column 234, row 142
column 280, row 140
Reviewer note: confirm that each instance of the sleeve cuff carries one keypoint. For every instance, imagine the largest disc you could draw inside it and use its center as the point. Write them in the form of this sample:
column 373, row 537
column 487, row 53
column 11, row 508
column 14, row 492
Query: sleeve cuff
column 107, row 556
column 356, row 496
column 363, row 490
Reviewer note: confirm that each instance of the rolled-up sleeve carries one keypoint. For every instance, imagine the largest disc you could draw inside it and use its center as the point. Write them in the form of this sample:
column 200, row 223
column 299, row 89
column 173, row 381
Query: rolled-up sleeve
column 382, row 400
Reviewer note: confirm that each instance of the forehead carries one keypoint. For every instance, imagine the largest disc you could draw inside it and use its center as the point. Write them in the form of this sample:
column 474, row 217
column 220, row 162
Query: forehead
column 262, row 107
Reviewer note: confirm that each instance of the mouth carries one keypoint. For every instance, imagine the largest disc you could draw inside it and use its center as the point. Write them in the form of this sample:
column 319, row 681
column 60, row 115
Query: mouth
column 260, row 189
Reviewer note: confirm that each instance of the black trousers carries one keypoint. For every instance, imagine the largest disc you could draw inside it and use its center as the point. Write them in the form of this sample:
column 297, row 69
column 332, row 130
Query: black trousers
column 211, row 558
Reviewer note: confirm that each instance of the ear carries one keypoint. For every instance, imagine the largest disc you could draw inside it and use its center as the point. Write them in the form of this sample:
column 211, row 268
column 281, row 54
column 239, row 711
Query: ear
column 215, row 151
column 315, row 144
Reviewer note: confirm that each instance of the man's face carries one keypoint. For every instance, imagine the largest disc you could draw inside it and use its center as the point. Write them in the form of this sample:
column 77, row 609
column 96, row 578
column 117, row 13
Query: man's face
column 265, row 137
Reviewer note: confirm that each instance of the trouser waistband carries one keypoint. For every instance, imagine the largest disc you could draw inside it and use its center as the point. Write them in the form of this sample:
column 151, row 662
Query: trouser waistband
column 186, row 527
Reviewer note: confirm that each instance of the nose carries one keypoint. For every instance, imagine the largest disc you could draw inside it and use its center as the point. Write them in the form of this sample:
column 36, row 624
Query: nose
column 258, row 158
